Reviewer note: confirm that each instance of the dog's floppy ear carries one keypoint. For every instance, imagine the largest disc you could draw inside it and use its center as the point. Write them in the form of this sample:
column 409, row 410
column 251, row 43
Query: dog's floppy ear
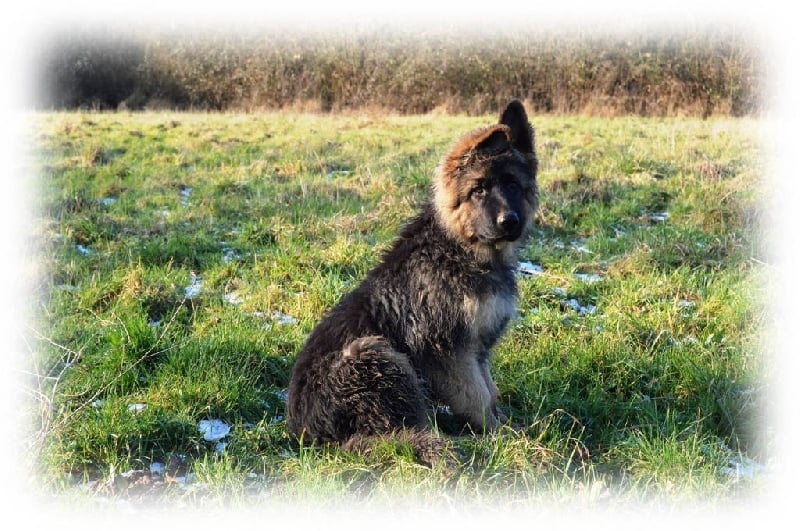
column 516, row 119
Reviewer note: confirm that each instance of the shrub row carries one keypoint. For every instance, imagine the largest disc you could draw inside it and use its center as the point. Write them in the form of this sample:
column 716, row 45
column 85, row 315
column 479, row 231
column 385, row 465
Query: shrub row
column 699, row 73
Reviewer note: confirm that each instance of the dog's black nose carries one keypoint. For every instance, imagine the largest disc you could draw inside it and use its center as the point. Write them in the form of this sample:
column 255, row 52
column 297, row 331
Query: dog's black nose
column 508, row 221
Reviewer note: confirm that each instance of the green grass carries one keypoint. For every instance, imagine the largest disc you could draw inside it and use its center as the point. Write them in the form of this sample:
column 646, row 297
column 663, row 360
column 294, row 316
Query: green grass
column 646, row 396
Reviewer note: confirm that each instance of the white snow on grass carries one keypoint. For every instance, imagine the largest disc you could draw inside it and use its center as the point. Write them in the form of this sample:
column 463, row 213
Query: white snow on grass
column 559, row 292
column 743, row 467
column 333, row 173
column 232, row 298
column 578, row 246
column 194, row 288
column 529, row 269
column 85, row 251
column 213, row 430
column 578, row 307
column 280, row 319
column 589, row 278
column 283, row 395
column 137, row 408
column 186, row 192
column 67, row 288
column 658, row 217
column 229, row 255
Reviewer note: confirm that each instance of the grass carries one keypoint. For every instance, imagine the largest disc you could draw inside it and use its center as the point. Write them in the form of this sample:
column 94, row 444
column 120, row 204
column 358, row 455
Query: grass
column 183, row 258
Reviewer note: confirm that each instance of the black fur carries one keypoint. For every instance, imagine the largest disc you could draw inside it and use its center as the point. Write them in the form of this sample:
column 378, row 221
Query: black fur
column 419, row 329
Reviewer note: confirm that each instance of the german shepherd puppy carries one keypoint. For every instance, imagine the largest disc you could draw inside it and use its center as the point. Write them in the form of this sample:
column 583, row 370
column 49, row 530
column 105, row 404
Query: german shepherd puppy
column 418, row 331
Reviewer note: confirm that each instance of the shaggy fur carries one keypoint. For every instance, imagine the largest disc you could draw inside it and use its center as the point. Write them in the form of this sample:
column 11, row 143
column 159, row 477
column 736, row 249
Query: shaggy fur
column 419, row 329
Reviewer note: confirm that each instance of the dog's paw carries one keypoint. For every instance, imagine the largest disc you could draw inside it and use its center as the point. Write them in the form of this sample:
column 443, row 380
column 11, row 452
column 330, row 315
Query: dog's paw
column 502, row 418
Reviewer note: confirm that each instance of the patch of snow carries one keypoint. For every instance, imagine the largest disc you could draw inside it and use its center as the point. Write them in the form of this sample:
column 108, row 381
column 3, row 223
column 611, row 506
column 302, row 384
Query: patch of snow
column 85, row 251
column 157, row 468
column 559, row 292
column 280, row 319
column 108, row 201
column 186, row 192
column 229, row 255
column 220, row 447
column 136, row 408
column 194, row 288
column 529, row 269
column 232, row 298
column 743, row 467
column 690, row 340
column 685, row 305
column 213, row 430
column 67, row 288
column 582, row 310
column 334, row 173
column 283, row 395
column 578, row 246
column 589, row 278
column 659, row 217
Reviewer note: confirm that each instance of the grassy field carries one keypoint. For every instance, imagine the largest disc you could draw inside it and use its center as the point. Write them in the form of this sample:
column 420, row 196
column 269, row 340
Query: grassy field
column 183, row 258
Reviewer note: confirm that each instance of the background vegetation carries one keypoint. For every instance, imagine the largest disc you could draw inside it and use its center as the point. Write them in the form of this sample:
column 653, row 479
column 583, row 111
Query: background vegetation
column 696, row 73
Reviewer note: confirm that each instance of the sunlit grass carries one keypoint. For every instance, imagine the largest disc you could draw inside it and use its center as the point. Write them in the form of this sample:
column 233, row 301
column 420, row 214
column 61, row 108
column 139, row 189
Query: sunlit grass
column 187, row 256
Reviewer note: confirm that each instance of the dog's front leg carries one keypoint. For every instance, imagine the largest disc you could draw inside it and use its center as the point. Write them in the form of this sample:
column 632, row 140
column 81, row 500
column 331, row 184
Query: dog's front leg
column 484, row 363
column 462, row 385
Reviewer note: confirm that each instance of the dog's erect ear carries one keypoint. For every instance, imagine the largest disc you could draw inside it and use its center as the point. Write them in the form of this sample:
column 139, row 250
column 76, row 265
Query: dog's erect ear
column 493, row 141
column 516, row 119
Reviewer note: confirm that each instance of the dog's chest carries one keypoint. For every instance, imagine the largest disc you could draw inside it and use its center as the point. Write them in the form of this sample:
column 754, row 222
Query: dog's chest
column 488, row 315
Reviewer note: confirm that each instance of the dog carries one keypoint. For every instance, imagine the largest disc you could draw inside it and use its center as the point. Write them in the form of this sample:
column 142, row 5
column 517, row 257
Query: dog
column 419, row 329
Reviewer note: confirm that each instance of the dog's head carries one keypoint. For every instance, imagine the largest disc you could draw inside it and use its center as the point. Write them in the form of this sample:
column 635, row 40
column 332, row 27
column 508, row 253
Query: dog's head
column 485, row 191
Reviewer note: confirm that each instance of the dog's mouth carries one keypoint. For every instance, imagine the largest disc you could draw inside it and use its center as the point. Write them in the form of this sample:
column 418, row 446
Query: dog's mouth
column 500, row 237
column 512, row 235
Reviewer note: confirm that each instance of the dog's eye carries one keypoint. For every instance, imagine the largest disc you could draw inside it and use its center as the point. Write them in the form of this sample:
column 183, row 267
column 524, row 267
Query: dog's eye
column 478, row 191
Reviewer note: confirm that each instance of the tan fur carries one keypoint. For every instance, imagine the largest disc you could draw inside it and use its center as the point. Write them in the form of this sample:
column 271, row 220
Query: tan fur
column 488, row 313
column 453, row 180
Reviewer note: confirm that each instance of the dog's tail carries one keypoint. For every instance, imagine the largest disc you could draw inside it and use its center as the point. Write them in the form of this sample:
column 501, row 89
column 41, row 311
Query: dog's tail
column 429, row 448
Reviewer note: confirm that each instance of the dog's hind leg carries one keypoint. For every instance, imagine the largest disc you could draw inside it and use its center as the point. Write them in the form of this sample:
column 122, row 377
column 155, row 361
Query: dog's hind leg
column 385, row 401
column 378, row 388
